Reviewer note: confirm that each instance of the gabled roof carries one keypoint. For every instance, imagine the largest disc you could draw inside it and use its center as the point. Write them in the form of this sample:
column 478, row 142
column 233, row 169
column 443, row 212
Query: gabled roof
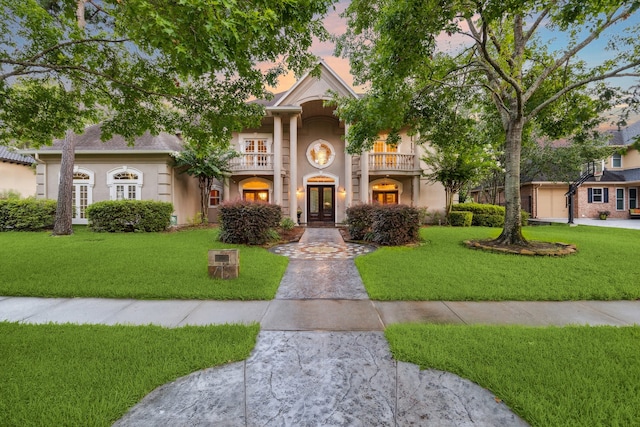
column 7, row 155
column 310, row 88
column 625, row 136
column 89, row 142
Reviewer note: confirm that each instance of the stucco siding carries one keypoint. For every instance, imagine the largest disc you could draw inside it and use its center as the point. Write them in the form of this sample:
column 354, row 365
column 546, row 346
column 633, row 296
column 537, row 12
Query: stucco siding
column 17, row 177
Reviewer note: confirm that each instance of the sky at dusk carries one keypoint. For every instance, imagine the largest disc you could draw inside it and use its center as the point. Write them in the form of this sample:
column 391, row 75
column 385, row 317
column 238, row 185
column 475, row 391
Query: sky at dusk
column 336, row 26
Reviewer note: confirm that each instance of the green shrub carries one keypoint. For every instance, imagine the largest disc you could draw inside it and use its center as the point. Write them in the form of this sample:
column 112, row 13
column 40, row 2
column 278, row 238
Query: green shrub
column 9, row 195
column 461, row 218
column 129, row 215
column 360, row 220
column 287, row 224
column 485, row 215
column 478, row 208
column 394, row 225
column 484, row 220
column 252, row 223
column 27, row 214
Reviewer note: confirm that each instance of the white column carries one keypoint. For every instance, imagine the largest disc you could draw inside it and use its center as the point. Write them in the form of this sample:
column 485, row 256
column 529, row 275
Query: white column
column 348, row 172
column 226, row 191
column 277, row 160
column 364, row 177
column 293, row 167
column 416, row 191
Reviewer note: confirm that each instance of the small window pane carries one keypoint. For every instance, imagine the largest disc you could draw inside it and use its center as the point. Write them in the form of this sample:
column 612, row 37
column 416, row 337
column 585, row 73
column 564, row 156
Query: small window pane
column 616, row 161
column 619, row 199
column 214, row 197
column 597, row 195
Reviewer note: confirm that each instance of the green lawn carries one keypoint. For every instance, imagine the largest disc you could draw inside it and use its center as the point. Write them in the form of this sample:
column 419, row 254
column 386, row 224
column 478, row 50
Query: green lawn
column 571, row 376
column 70, row 375
column 605, row 267
column 169, row 265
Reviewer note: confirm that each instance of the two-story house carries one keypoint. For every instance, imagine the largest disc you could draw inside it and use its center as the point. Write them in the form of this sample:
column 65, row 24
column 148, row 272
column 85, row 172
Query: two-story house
column 296, row 159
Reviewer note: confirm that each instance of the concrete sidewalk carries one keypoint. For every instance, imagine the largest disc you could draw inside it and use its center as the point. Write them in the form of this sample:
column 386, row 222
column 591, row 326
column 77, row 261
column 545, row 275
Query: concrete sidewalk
column 321, row 358
column 316, row 314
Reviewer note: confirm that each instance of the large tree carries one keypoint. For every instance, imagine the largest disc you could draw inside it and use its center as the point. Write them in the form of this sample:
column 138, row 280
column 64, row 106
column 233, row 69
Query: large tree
column 142, row 65
column 506, row 45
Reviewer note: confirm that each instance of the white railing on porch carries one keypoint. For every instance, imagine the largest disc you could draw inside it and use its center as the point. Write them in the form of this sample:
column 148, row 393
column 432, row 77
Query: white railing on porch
column 391, row 161
column 252, row 162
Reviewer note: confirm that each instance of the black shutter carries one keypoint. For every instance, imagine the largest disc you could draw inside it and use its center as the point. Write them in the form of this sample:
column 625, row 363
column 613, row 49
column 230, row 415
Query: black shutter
column 606, row 195
column 590, row 195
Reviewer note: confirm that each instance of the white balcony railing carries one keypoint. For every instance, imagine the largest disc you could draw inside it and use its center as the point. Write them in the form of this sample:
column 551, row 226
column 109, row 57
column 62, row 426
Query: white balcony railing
column 391, row 161
column 246, row 162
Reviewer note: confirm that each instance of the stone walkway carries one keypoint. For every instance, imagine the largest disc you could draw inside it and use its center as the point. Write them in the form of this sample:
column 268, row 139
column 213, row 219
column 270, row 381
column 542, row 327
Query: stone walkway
column 297, row 377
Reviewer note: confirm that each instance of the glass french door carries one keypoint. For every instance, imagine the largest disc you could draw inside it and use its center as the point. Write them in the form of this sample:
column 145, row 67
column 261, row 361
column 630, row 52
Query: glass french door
column 320, row 204
column 80, row 203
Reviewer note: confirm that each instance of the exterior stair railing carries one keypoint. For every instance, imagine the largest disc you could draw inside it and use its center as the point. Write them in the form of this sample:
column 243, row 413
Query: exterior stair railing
column 590, row 170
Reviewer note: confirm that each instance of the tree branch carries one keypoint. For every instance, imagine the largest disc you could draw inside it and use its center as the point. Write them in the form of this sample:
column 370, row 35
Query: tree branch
column 615, row 73
column 609, row 21
column 536, row 24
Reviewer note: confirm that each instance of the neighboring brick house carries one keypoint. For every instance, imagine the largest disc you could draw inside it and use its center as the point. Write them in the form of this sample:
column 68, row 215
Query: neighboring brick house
column 16, row 173
column 615, row 190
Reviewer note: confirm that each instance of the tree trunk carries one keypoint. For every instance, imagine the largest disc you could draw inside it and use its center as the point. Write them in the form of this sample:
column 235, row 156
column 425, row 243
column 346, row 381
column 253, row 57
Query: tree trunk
column 64, row 209
column 205, row 189
column 512, row 231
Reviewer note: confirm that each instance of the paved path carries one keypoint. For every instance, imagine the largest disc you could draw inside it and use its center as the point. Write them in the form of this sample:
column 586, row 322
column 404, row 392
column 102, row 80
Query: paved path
column 321, row 357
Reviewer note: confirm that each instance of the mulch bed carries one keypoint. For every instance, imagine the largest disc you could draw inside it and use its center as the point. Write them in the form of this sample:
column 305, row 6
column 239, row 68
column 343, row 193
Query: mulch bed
column 534, row 248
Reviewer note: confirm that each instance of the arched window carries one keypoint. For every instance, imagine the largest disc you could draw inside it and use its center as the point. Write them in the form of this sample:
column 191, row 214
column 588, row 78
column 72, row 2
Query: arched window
column 82, row 193
column 125, row 183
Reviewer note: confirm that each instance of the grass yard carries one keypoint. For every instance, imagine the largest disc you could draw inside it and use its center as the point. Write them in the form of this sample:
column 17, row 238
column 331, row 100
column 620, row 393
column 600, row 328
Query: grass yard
column 56, row 375
column 131, row 265
column 571, row 376
column 605, row 267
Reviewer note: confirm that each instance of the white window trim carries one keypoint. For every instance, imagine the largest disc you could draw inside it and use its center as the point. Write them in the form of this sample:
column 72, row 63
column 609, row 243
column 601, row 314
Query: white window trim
column 629, row 196
column 593, row 194
column 332, row 154
column 90, row 183
column 612, row 165
column 112, row 183
column 245, row 136
column 624, row 198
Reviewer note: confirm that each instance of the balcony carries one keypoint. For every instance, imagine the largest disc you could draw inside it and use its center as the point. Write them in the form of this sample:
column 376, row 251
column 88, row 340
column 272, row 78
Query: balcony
column 391, row 162
column 253, row 163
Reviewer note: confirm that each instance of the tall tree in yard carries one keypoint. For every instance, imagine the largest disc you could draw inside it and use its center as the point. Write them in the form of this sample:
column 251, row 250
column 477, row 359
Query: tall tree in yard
column 143, row 65
column 391, row 46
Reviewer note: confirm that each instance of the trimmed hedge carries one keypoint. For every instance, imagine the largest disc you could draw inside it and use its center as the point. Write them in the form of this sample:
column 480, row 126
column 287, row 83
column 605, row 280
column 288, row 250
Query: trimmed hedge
column 27, row 214
column 485, row 215
column 359, row 220
column 250, row 223
column 395, row 225
column 387, row 225
column 116, row 216
column 461, row 218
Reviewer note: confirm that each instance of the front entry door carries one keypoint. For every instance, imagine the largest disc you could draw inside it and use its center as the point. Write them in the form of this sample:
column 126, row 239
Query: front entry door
column 320, row 204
